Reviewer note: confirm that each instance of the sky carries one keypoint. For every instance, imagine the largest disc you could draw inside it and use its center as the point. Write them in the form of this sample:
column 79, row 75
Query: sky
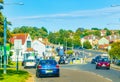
column 63, row 14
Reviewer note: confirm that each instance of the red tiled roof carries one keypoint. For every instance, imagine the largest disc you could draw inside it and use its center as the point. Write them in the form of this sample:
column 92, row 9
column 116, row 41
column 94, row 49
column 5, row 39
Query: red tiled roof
column 21, row 36
column 103, row 46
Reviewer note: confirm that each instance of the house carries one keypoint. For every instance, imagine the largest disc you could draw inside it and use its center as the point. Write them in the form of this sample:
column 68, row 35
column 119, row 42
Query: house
column 103, row 43
column 92, row 39
column 26, row 44
column 113, row 38
column 39, row 46
column 43, row 47
column 103, row 32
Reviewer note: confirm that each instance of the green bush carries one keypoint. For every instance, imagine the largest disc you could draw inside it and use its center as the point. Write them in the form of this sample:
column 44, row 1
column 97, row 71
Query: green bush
column 69, row 52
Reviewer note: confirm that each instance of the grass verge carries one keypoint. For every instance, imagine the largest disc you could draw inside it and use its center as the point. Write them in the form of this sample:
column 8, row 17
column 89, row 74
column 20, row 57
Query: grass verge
column 14, row 76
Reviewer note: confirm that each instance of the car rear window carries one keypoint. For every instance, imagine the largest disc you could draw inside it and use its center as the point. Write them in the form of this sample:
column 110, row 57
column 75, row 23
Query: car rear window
column 104, row 60
column 30, row 60
column 43, row 62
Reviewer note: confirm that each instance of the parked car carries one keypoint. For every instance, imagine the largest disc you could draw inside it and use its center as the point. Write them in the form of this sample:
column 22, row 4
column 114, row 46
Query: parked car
column 63, row 60
column 29, row 64
column 103, row 63
column 117, row 62
column 95, row 60
column 47, row 68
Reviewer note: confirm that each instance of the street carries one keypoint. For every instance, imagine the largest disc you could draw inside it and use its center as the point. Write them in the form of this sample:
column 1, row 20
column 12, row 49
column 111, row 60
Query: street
column 69, row 75
column 113, row 75
column 79, row 72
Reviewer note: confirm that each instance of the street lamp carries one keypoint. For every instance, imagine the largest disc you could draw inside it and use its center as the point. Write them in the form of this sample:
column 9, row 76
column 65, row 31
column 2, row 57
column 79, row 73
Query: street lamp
column 16, row 3
column 5, row 35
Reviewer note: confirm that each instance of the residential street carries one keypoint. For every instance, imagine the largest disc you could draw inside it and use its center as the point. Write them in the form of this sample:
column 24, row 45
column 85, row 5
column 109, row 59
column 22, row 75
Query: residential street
column 67, row 75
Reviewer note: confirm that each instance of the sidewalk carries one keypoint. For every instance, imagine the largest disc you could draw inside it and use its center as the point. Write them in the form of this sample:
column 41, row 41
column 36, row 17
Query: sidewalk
column 115, row 66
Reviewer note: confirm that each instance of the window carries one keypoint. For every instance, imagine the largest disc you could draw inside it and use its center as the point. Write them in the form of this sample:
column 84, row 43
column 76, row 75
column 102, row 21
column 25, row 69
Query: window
column 28, row 44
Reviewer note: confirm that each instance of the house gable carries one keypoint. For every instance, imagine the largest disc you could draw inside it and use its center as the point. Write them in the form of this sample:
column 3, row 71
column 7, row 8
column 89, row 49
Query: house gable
column 103, row 41
column 21, row 36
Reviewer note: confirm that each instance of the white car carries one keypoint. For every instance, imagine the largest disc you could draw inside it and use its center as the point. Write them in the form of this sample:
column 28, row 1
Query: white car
column 29, row 63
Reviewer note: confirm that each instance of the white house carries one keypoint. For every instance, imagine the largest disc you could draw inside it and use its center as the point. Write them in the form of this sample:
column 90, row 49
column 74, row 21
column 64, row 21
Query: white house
column 38, row 46
column 26, row 44
column 103, row 43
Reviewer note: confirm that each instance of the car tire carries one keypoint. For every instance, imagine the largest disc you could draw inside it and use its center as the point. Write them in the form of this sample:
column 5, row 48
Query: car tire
column 96, row 67
column 58, row 75
column 108, row 68
column 37, row 75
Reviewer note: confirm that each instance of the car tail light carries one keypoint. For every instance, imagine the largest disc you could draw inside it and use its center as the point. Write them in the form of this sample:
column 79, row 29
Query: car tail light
column 39, row 66
column 98, row 63
column 108, row 63
column 57, row 66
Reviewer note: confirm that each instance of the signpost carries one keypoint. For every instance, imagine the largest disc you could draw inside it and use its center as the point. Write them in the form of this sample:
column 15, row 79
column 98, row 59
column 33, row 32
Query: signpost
column 17, row 47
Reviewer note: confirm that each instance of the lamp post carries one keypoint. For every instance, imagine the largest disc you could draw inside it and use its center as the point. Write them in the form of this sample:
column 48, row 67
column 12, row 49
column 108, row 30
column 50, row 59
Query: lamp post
column 5, row 29
column 1, row 7
column 5, row 35
column 0, row 56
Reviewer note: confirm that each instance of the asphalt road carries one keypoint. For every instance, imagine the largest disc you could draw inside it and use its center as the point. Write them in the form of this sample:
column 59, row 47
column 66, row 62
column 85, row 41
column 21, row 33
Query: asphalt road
column 113, row 75
column 82, row 73
column 70, row 75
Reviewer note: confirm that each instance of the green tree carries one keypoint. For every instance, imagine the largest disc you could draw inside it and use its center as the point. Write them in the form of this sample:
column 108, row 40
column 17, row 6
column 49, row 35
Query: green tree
column 35, row 32
column 94, row 28
column 87, row 45
column 97, row 33
column 108, row 32
column 2, row 28
column 76, row 40
column 115, row 50
column 1, row 1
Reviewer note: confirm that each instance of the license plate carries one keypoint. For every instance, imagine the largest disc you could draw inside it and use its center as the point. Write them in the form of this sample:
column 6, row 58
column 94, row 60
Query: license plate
column 103, row 65
column 49, row 71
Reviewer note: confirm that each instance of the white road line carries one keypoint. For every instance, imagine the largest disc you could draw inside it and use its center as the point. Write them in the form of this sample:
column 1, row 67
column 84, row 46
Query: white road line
column 109, row 79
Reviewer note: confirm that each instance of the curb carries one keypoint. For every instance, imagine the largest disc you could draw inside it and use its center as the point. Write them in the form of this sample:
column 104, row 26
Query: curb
column 115, row 67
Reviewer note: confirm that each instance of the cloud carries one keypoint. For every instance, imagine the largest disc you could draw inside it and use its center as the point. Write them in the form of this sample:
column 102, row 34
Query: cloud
column 104, row 12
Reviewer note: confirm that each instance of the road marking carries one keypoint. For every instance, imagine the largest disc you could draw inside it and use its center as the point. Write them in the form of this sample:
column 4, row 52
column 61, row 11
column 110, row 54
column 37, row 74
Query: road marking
column 109, row 79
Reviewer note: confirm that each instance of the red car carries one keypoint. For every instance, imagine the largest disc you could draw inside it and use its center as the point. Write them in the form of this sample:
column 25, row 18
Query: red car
column 103, row 63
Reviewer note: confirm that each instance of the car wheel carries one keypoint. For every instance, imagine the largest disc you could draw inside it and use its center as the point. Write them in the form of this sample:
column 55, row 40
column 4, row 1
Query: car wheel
column 58, row 75
column 96, row 67
column 37, row 75
column 108, row 68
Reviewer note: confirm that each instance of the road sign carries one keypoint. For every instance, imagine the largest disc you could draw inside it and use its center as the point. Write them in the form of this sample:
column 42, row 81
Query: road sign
column 17, row 44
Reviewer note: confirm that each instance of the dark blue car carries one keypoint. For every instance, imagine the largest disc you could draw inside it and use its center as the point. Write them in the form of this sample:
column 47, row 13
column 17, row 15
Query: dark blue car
column 47, row 68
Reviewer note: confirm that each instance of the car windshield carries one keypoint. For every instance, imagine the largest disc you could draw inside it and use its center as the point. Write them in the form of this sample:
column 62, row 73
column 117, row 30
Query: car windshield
column 44, row 62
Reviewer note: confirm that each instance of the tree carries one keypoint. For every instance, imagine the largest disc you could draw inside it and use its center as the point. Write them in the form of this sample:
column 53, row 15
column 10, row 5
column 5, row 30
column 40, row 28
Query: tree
column 87, row 45
column 2, row 28
column 35, row 32
column 94, row 28
column 108, row 32
column 1, row 1
column 115, row 50
column 97, row 33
